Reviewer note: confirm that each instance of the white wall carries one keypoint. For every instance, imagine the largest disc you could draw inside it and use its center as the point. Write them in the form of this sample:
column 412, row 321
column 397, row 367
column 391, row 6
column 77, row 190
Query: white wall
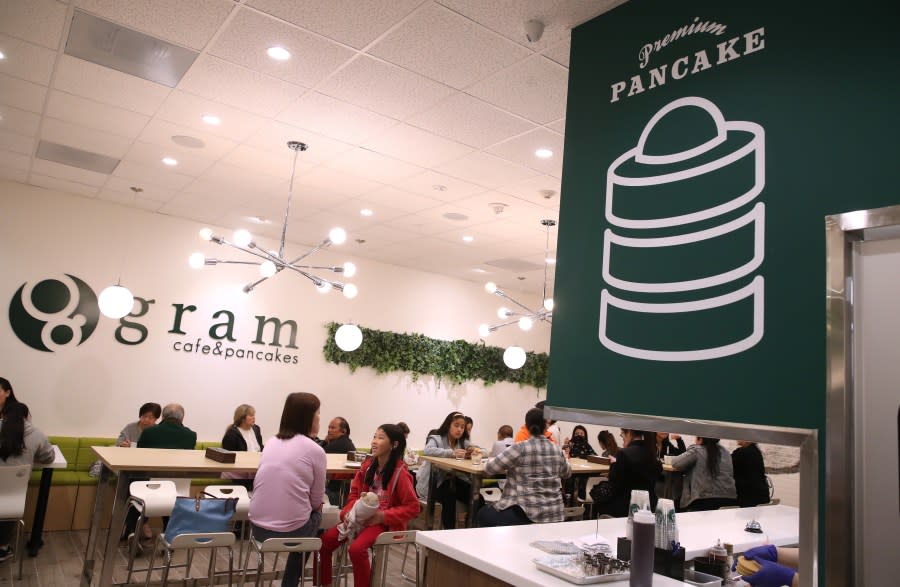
column 95, row 388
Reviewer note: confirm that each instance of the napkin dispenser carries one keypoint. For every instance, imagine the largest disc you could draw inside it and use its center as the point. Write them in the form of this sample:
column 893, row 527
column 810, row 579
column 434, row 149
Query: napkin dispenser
column 597, row 459
column 220, row 455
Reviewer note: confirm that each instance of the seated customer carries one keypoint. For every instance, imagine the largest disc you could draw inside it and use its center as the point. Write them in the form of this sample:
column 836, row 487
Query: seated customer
column 533, row 471
column 579, row 448
column 607, row 442
column 664, row 446
column 708, row 476
column 749, row 475
column 170, row 433
column 337, row 441
column 504, row 440
column 450, row 440
column 636, row 467
column 20, row 444
column 148, row 414
column 243, row 435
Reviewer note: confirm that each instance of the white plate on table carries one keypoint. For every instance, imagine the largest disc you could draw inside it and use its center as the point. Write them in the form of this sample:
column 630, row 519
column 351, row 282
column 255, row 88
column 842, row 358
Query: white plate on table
column 352, row 465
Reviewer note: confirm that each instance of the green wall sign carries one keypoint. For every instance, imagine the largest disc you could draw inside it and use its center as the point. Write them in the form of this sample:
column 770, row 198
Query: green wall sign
column 705, row 143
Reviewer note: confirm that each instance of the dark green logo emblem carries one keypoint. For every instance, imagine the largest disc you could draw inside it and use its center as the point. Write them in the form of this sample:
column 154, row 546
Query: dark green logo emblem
column 54, row 313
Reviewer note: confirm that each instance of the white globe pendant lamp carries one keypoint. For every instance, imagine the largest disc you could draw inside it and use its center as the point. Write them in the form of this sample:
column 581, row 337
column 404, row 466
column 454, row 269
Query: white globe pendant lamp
column 115, row 301
column 348, row 337
column 514, row 357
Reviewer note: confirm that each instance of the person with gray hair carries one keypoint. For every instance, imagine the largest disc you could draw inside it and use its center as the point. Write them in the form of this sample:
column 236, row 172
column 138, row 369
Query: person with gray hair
column 170, row 433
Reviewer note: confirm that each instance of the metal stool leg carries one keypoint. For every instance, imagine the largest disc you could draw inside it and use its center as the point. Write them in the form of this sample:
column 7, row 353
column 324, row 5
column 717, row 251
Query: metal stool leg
column 136, row 538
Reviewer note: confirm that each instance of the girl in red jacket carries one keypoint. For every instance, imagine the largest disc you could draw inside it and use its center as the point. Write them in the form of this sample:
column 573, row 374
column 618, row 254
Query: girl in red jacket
column 386, row 475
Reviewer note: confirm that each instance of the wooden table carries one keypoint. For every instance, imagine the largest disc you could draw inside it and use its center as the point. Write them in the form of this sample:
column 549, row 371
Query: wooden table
column 36, row 540
column 476, row 474
column 131, row 464
column 503, row 555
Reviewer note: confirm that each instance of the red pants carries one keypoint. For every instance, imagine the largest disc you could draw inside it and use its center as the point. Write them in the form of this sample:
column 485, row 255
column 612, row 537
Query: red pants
column 358, row 553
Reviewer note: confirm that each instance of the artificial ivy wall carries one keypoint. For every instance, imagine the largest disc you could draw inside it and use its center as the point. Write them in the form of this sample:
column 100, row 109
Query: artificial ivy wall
column 455, row 360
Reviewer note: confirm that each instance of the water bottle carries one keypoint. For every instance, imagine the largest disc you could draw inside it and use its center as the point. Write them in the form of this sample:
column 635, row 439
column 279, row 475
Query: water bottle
column 643, row 531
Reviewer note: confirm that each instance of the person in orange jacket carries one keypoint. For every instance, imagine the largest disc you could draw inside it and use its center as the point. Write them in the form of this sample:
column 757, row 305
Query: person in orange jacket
column 386, row 475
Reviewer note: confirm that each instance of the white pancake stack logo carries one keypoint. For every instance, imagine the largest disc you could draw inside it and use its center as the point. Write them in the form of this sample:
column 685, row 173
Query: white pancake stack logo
column 688, row 238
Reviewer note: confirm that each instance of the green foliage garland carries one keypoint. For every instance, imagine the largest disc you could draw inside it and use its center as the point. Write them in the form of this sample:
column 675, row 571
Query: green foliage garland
column 456, row 360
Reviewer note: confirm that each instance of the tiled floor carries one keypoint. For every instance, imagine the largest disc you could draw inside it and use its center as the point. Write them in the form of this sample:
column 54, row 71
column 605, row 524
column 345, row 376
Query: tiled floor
column 59, row 564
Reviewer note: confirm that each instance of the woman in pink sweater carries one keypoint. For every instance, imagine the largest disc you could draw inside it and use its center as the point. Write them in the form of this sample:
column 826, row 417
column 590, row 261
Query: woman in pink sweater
column 386, row 475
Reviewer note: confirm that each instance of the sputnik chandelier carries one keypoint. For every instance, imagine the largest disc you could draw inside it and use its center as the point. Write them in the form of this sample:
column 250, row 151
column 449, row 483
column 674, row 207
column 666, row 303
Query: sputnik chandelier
column 271, row 263
column 524, row 316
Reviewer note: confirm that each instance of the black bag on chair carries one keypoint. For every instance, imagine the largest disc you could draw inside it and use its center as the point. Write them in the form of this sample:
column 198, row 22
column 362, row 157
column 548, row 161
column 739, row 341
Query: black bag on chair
column 602, row 492
column 200, row 514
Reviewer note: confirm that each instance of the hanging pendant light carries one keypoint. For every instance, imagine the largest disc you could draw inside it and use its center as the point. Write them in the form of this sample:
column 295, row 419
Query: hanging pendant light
column 348, row 337
column 116, row 301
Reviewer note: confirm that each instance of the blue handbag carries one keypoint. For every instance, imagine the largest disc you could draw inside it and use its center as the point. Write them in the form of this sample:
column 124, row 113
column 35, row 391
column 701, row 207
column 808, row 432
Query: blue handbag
column 200, row 514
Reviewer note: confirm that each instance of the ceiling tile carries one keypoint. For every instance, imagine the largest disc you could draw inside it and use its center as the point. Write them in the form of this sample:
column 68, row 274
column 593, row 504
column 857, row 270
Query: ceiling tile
column 19, row 121
column 21, row 94
column 160, row 132
column 191, row 162
column 26, row 61
column 37, row 21
column 17, row 143
column 508, row 17
column 560, row 52
column 417, row 146
column 230, row 84
column 522, row 149
column 487, row 170
column 203, row 209
column 95, row 115
column 235, row 180
column 488, row 207
column 371, row 165
column 418, row 224
column 470, row 121
column 88, row 139
column 337, row 182
column 247, row 37
column 399, row 199
column 384, row 88
column 558, row 125
column 188, row 109
column 348, row 21
column 438, row 214
column 16, row 161
column 271, row 163
column 68, row 173
column 382, row 234
column 432, row 184
column 534, row 88
column 12, row 174
column 274, row 136
column 129, row 199
column 383, row 212
column 334, row 118
column 447, row 47
column 61, row 185
column 191, row 24
column 533, row 190
column 150, row 192
column 140, row 173
column 108, row 86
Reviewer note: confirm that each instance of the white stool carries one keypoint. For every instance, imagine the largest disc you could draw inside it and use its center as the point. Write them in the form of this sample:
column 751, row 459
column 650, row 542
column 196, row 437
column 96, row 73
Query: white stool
column 13, row 487
column 279, row 545
column 191, row 542
column 242, row 510
column 588, row 501
column 151, row 499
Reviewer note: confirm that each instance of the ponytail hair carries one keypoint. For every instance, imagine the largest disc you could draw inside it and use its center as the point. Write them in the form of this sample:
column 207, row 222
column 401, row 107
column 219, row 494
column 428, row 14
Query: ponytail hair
column 712, row 455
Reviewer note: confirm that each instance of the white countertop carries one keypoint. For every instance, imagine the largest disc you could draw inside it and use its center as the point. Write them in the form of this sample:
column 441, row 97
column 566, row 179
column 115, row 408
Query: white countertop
column 504, row 552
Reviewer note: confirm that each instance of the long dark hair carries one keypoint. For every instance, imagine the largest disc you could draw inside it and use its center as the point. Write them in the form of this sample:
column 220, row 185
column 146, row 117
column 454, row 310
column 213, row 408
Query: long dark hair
column 606, row 438
column 12, row 433
column 712, row 455
column 444, row 429
column 298, row 415
column 5, row 385
column 394, row 434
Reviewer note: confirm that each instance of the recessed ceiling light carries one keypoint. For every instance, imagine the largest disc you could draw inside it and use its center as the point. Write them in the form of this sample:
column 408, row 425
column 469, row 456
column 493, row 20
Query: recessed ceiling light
column 550, row 260
column 259, row 220
column 2, row 55
column 479, row 270
column 170, row 161
column 278, row 53
column 211, row 119
column 189, row 142
column 544, row 153
column 366, row 212
column 468, row 238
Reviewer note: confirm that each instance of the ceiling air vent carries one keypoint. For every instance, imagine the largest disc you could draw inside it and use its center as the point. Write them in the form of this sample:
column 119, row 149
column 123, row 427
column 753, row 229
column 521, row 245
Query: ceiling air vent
column 111, row 45
column 76, row 157
column 514, row 265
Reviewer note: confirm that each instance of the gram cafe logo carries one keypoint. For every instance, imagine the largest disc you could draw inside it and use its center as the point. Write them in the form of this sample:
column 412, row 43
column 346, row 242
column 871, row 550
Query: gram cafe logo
column 54, row 313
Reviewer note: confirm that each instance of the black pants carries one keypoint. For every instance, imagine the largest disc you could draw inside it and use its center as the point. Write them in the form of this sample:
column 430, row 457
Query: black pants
column 709, row 503
column 446, row 494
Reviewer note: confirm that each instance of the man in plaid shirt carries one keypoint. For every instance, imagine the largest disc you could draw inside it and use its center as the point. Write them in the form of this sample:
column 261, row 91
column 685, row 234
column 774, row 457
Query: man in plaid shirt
column 533, row 471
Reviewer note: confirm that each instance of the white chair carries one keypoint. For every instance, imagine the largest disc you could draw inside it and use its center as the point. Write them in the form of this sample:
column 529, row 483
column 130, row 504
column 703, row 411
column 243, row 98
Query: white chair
column 153, row 498
column 587, row 501
column 242, row 510
column 279, row 545
column 191, row 542
column 381, row 552
column 13, row 487
column 573, row 513
column 491, row 494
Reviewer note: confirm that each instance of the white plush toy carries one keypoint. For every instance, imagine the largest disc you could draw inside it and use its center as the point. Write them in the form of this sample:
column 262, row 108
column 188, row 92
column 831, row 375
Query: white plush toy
column 364, row 508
